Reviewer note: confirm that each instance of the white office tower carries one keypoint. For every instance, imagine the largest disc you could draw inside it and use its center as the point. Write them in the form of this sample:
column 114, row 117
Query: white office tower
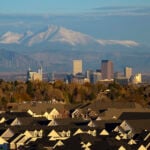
column 77, row 66
column 128, row 72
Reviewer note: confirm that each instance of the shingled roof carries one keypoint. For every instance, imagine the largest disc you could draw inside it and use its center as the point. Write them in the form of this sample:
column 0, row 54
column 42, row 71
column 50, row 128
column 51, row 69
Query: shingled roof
column 139, row 125
column 134, row 115
column 11, row 115
column 38, row 108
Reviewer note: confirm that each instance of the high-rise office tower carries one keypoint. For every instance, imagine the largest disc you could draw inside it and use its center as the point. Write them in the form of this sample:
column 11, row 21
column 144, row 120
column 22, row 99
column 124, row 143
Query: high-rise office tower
column 107, row 69
column 128, row 72
column 77, row 66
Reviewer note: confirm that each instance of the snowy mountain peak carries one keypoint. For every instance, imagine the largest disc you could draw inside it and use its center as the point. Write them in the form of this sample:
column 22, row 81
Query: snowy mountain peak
column 71, row 37
column 59, row 35
column 10, row 37
column 42, row 36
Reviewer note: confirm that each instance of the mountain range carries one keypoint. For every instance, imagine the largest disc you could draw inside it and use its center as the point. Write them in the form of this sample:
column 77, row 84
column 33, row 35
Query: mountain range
column 55, row 47
column 57, row 34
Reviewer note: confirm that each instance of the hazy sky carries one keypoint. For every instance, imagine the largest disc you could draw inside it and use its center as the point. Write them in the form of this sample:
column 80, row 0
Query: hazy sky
column 63, row 6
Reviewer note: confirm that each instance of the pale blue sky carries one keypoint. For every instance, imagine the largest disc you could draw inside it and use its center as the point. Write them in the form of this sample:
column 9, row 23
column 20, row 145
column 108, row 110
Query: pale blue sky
column 62, row 6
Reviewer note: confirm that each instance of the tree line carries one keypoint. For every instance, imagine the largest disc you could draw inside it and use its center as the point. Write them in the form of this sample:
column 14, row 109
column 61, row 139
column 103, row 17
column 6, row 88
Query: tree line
column 18, row 91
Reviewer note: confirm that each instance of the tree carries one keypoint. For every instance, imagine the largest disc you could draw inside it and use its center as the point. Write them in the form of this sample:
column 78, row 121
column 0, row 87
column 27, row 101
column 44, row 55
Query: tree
column 30, row 89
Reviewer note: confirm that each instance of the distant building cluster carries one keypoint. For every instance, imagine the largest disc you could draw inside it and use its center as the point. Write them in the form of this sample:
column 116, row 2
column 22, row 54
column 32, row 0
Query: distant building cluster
column 104, row 74
column 128, row 77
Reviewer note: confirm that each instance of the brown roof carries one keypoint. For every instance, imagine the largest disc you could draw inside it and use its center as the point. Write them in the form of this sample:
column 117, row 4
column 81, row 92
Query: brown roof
column 97, row 105
column 134, row 115
column 139, row 125
column 39, row 108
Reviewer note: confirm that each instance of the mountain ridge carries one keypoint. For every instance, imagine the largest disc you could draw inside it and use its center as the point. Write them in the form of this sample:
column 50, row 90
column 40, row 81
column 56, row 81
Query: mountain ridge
column 58, row 34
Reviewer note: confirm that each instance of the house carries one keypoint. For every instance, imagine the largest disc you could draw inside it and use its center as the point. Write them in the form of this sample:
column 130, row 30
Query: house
column 104, row 132
column 34, row 133
column 53, row 134
column 78, row 131
column 142, row 147
column 3, row 144
column 54, row 113
column 37, row 109
column 121, row 148
column 60, row 135
column 108, row 124
column 132, row 142
column 24, row 138
column 60, row 122
column 8, row 134
column 130, row 128
column 78, row 113
column 14, row 144
column 22, row 121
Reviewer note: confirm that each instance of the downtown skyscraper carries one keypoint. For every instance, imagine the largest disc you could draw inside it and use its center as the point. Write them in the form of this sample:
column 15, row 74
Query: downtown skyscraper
column 128, row 72
column 107, row 69
column 77, row 66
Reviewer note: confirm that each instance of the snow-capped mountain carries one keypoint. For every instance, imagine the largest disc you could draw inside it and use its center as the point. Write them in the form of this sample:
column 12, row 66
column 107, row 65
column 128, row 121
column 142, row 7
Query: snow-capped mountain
column 10, row 38
column 71, row 37
column 60, row 35
column 49, row 35
column 55, row 46
column 127, row 43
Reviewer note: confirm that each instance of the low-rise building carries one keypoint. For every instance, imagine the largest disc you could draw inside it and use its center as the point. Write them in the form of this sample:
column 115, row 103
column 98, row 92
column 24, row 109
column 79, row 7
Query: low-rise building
column 33, row 76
